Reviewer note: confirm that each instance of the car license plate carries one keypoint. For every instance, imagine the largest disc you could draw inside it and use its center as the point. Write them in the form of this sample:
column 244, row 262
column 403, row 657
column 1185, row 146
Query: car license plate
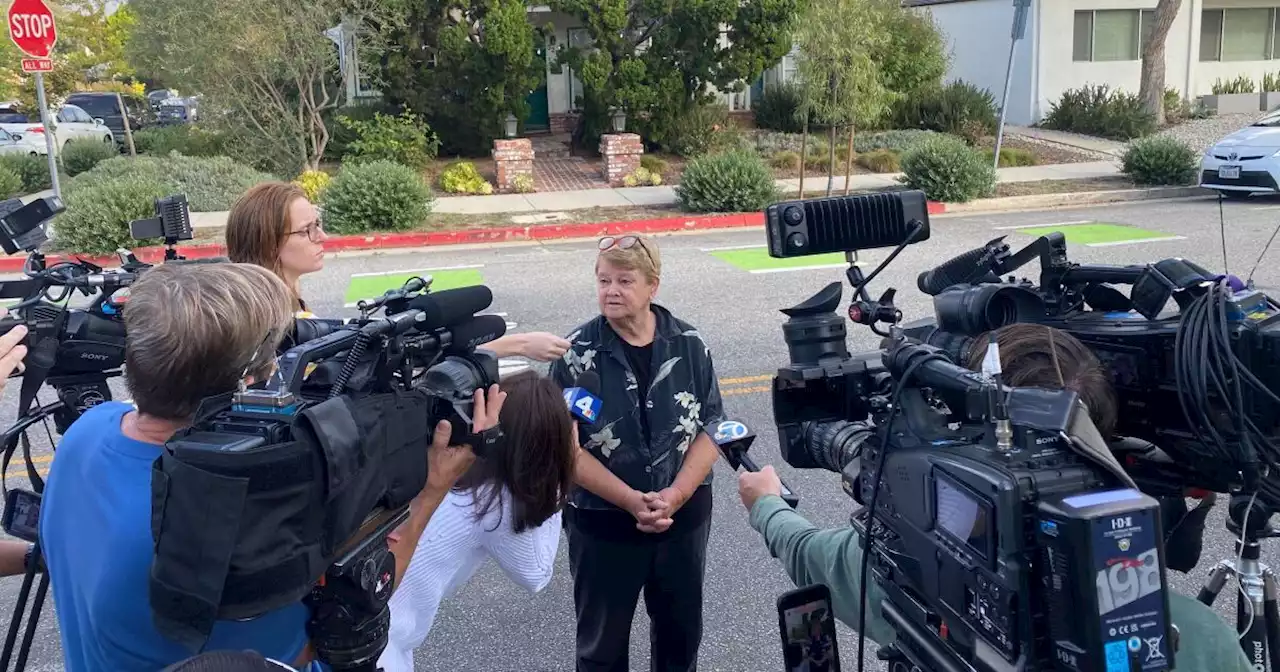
column 1229, row 172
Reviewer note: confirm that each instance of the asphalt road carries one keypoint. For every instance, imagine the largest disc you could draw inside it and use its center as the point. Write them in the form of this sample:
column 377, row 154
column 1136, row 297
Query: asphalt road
column 493, row 625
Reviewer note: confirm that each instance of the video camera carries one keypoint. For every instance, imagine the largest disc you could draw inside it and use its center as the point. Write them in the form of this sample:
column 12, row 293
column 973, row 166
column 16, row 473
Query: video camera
column 1003, row 530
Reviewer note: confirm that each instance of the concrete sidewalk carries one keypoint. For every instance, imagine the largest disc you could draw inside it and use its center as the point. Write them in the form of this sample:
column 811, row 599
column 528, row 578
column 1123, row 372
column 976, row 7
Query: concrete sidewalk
column 1087, row 143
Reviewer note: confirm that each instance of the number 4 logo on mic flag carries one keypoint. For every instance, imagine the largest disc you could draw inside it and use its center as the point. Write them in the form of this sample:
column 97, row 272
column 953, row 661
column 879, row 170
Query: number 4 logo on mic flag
column 584, row 406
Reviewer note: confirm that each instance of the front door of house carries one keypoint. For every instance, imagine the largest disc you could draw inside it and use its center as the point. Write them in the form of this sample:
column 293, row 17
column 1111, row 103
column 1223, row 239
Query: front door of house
column 539, row 118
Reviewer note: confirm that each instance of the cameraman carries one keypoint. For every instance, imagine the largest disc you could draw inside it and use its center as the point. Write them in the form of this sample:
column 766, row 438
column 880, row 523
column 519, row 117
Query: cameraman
column 193, row 332
column 1031, row 356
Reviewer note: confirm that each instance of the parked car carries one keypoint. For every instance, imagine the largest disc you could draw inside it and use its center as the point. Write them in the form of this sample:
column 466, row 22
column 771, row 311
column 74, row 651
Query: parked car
column 1246, row 162
column 176, row 111
column 71, row 123
column 103, row 105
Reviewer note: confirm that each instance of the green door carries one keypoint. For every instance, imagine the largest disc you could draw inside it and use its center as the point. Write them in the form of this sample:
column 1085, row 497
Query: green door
column 539, row 112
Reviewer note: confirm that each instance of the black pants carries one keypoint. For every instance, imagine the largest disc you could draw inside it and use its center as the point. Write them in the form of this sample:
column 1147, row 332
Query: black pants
column 608, row 575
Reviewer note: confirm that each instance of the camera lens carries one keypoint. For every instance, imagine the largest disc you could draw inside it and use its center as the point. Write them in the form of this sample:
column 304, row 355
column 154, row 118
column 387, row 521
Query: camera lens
column 793, row 215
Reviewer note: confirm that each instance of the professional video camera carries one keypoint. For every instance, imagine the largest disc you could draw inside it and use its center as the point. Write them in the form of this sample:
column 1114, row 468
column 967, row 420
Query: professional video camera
column 1001, row 529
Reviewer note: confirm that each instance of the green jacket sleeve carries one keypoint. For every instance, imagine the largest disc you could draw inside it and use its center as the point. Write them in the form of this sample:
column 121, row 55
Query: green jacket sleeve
column 831, row 557
column 834, row 557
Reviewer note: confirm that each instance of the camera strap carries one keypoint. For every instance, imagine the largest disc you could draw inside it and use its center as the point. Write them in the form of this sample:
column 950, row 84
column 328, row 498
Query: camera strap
column 1160, row 280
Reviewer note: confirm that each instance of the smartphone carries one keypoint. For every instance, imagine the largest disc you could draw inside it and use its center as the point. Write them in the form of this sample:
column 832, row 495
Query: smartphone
column 22, row 515
column 807, row 626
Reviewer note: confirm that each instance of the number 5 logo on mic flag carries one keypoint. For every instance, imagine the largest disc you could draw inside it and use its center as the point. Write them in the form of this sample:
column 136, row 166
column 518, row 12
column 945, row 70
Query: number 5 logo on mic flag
column 32, row 28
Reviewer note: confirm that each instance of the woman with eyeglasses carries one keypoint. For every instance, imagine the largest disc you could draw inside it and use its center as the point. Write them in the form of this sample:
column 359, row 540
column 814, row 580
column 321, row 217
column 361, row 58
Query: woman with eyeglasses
column 639, row 517
column 274, row 225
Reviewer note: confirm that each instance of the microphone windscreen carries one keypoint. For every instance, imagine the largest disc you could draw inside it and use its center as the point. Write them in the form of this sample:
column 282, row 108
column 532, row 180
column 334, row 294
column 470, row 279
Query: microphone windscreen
column 478, row 331
column 589, row 381
column 451, row 306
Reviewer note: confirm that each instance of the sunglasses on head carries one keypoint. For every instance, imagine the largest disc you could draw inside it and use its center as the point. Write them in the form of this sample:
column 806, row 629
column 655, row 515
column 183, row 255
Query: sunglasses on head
column 624, row 243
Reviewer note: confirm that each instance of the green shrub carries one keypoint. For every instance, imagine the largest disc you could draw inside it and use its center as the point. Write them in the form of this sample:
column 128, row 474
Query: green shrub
column 185, row 139
column 463, row 178
column 880, row 161
column 654, row 164
column 405, row 139
column 785, row 160
column 340, row 135
column 705, row 129
column 79, row 156
column 1011, row 157
column 947, row 169
column 1098, row 110
column 897, row 141
column 10, row 183
column 211, row 184
column 958, row 108
column 736, row 181
column 642, row 177
column 523, row 183
column 34, row 170
column 97, row 217
column 377, row 195
column 1160, row 160
column 777, row 109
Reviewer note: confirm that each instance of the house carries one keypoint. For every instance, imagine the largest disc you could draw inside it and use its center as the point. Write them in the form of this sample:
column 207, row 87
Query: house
column 1071, row 43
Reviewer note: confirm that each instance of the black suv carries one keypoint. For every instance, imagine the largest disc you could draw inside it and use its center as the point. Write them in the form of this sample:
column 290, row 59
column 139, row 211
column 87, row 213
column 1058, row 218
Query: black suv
column 103, row 106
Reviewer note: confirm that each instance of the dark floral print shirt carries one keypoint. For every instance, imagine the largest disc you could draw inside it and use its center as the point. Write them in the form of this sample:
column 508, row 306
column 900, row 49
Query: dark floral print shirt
column 681, row 402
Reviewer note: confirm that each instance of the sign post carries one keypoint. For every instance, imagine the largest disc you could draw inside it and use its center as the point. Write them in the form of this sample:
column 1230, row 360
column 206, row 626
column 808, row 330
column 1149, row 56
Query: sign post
column 32, row 29
column 1020, row 10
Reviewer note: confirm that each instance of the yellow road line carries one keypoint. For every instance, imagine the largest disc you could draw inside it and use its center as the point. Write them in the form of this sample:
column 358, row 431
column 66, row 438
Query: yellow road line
column 747, row 379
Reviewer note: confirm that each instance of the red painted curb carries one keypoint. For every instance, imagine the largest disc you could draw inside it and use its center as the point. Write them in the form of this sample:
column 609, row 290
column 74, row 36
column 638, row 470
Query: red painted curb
column 391, row 241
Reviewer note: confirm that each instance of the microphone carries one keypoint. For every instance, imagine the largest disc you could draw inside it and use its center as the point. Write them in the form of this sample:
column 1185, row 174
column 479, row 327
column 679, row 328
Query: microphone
column 583, row 398
column 476, row 331
column 734, row 438
column 445, row 308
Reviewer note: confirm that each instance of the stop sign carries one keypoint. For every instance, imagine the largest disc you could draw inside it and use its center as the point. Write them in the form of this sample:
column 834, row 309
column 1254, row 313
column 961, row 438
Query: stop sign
column 31, row 27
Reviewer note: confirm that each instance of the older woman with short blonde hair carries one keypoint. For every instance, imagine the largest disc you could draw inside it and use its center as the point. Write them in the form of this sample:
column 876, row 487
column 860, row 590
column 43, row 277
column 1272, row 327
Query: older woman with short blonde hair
column 640, row 516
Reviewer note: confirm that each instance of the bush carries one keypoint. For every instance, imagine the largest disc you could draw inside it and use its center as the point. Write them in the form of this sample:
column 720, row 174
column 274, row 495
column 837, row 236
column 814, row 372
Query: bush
column 340, row 135
column 377, row 195
column 654, row 164
column 959, row 108
column 946, row 169
column 34, row 171
column 10, row 183
column 314, row 182
column 79, row 156
column 880, row 161
column 642, row 177
column 211, row 184
column 1098, row 110
column 1011, row 157
column 185, row 139
column 463, row 178
column 523, row 183
column 705, row 129
column 1160, row 160
column 778, row 108
column 785, row 160
column 405, row 139
column 98, row 213
column 737, row 181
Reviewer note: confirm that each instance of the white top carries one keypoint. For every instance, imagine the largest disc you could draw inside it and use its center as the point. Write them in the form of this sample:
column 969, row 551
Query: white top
column 451, row 549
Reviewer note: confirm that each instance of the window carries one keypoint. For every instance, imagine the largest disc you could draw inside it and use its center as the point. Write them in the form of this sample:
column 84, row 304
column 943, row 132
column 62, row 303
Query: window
column 1111, row 34
column 577, row 37
column 1246, row 34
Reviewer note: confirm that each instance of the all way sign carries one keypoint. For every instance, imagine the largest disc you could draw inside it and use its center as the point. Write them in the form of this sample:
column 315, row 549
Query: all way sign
column 32, row 28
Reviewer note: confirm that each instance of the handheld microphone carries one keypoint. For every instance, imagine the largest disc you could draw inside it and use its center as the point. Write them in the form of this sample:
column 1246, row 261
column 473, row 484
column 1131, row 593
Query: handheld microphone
column 445, row 308
column 583, row 398
column 734, row 438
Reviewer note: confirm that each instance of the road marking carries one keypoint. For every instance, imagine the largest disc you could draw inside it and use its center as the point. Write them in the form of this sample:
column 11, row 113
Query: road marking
column 748, row 379
column 411, row 272
column 371, row 285
column 1023, row 226
column 802, row 268
column 732, row 247
column 757, row 260
column 1136, row 241
column 744, row 390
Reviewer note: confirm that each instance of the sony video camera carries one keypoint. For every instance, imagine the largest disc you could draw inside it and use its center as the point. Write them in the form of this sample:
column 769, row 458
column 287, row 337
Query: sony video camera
column 305, row 477
column 1000, row 529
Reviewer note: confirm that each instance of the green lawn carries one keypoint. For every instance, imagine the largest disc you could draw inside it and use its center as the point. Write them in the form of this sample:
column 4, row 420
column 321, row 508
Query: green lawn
column 372, row 286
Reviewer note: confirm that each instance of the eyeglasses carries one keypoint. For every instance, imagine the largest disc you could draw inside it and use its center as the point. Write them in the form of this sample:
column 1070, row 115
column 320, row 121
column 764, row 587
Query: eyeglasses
column 625, row 243
column 313, row 230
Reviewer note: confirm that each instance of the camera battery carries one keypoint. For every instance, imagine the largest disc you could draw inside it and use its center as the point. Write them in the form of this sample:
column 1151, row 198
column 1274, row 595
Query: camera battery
column 1106, row 602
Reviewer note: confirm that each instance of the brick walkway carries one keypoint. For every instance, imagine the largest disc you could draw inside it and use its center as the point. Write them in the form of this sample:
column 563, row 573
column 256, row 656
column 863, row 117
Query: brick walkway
column 569, row 174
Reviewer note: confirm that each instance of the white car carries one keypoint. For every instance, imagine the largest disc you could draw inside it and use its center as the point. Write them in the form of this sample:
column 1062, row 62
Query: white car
column 1246, row 162
column 72, row 123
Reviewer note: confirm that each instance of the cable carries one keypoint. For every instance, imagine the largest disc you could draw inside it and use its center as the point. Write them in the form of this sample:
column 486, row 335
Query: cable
column 875, row 493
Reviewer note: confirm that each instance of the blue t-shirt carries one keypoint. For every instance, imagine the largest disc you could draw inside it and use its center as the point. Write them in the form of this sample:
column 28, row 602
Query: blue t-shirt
column 95, row 529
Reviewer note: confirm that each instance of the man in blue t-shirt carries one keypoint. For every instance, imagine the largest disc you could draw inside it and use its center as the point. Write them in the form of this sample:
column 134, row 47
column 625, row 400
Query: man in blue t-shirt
column 194, row 331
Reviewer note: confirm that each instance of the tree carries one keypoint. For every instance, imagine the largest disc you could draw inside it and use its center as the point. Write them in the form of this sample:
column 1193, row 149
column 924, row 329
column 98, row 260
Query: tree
column 655, row 58
column 267, row 63
column 464, row 65
column 1151, row 87
column 839, row 80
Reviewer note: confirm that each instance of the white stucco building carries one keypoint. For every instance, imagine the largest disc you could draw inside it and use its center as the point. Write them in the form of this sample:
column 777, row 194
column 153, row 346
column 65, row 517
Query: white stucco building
column 1070, row 43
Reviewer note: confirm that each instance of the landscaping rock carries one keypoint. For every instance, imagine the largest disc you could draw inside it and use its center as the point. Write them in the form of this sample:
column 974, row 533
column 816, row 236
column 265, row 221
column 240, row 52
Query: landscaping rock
column 1200, row 134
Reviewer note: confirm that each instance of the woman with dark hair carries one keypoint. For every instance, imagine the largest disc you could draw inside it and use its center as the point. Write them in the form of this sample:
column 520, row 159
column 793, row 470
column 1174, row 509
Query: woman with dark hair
column 507, row 507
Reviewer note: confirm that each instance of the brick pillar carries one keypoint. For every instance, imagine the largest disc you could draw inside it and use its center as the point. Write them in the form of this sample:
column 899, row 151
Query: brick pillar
column 621, row 152
column 512, row 158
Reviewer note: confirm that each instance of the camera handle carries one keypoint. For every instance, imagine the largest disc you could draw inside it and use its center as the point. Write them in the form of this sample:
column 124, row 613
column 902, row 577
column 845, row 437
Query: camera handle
column 864, row 311
column 1257, row 606
column 19, row 611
